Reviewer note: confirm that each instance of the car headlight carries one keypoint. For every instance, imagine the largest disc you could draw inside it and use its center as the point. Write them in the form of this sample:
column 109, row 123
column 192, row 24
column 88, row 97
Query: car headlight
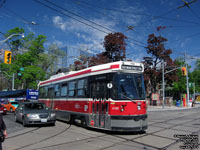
column 35, row 116
column 53, row 114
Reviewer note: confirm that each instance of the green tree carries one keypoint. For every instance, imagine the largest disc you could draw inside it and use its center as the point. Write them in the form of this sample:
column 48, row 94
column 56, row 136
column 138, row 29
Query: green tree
column 29, row 57
column 195, row 76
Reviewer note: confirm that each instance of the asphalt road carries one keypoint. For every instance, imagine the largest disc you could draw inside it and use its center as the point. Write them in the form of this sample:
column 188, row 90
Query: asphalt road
column 168, row 130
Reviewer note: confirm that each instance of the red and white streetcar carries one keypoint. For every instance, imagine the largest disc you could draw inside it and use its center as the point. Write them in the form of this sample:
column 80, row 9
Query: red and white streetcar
column 109, row 96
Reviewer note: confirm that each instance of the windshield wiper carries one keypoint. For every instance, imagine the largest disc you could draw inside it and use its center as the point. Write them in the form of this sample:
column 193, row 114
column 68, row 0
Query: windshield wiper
column 128, row 98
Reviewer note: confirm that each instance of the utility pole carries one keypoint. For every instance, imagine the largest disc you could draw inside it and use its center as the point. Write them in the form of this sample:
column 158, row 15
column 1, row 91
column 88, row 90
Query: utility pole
column 163, row 85
column 13, row 82
column 187, row 86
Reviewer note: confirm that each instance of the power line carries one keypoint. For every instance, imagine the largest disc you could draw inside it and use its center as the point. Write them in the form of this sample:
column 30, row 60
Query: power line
column 84, row 22
column 196, row 34
column 194, row 13
column 86, row 19
column 143, row 14
column 19, row 16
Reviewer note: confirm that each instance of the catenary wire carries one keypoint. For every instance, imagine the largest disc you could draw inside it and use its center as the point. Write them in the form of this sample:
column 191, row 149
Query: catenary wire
column 141, row 43
column 148, row 15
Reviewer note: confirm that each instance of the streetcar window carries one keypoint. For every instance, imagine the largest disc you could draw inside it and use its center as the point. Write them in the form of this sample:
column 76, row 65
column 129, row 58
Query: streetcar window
column 41, row 92
column 57, row 90
column 128, row 86
column 72, row 86
column 82, row 85
column 45, row 91
column 64, row 90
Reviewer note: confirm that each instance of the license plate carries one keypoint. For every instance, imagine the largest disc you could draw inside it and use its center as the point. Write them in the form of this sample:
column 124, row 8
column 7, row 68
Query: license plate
column 43, row 120
column 1, row 111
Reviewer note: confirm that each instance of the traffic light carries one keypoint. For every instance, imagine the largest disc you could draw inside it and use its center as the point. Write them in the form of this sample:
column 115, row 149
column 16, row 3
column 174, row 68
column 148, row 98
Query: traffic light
column 7, row 57
column 183, row 69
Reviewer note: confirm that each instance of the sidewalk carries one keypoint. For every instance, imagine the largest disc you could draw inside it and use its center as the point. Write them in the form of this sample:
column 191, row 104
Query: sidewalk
column 166, row 108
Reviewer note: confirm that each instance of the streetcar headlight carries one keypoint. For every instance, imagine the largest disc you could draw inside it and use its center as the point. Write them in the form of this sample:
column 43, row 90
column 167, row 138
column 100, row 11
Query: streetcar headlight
column 122, row 108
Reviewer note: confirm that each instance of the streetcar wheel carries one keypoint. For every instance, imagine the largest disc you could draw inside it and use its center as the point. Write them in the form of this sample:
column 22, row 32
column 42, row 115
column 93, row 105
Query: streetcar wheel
column 83, row 122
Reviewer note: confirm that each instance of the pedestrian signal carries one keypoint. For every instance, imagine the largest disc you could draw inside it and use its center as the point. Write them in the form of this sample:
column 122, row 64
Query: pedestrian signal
column 183, row 69
column 7, row 57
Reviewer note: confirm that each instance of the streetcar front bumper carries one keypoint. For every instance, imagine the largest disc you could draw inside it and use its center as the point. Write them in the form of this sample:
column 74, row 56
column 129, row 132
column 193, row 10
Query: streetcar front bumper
column 128, row 123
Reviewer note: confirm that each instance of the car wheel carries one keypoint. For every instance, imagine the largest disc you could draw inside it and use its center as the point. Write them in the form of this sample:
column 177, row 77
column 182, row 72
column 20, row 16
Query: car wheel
column 11, row 110
column 24, row 123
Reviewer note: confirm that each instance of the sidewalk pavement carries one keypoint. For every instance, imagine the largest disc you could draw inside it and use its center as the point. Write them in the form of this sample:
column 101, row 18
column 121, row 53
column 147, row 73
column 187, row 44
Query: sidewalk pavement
column 167, row 108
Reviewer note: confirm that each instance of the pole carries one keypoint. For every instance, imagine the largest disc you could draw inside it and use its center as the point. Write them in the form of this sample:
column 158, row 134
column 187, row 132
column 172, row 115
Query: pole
column 13, row 82
column 163, row 85
column 187, row 86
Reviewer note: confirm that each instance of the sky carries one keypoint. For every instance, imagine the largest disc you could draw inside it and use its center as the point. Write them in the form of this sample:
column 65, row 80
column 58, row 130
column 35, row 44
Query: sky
column 83, row 24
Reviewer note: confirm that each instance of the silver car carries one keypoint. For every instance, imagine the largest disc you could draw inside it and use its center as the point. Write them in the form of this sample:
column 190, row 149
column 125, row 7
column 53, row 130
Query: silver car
column 34, row 113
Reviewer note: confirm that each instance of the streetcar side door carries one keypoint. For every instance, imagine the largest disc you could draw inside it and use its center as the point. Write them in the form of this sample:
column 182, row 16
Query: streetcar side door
column 99, row 103
column 51, row 96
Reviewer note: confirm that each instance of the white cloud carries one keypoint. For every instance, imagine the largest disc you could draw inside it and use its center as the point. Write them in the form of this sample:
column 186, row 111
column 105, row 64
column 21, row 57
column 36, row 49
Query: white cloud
column 59, row 22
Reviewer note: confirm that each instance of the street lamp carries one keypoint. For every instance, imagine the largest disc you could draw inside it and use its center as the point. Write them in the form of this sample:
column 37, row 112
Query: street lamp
column 10, row 37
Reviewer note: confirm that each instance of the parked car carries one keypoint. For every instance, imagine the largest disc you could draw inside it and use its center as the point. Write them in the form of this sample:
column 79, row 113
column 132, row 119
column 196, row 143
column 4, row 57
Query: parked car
column 3, row 110
column 10, row 105
column 34, row 113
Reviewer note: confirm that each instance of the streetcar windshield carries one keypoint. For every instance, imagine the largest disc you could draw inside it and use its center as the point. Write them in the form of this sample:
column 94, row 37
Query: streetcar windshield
column 128, row 86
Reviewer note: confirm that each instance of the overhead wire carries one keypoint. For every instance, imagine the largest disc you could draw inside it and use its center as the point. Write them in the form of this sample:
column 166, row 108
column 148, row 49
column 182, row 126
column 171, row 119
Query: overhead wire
column 17, row 15
column 194, row 13
column 137, row 13
column 87, row 19
column 84, row 22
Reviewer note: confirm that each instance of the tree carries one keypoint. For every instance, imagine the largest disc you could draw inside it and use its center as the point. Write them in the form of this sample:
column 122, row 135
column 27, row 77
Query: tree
column 153, row 69
column 115, row 46
column 195, row 76
column 30, row 49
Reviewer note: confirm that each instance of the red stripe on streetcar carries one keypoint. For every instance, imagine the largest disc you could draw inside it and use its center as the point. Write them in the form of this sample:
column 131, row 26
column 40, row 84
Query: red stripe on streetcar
column 116, row 66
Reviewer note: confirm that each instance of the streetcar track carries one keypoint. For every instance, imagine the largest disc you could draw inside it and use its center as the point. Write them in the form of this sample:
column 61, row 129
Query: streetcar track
column 69, row 142
column 153, row 134
column 123, row 138
column 23, row 133
column 44, row 139
column 132, row 140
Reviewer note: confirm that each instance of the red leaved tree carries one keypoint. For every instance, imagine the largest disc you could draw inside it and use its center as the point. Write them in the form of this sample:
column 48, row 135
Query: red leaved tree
column 153, row 69
column 115, row 46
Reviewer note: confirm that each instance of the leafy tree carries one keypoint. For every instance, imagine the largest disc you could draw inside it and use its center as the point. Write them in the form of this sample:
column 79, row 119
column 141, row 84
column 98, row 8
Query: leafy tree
column 179, row 86
column 115, row 46
column 49, row 61
column 195, row 76
column 115, row 50
column 30, row 49
column 153, row 69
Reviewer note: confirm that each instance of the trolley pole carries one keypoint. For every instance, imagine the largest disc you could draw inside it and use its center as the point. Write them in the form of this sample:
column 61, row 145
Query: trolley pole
column 187, row 86
column 163, row 85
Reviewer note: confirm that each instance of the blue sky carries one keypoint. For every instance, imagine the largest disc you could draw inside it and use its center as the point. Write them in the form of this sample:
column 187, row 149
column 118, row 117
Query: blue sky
column 83, row 24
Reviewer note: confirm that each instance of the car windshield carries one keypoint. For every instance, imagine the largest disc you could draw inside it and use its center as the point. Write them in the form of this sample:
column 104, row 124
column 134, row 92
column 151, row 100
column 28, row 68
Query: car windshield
column 38, row 106
column 128, row 86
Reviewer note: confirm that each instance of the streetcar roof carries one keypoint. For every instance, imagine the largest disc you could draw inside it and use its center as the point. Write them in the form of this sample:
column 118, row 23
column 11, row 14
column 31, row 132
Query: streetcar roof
column 95, row 70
